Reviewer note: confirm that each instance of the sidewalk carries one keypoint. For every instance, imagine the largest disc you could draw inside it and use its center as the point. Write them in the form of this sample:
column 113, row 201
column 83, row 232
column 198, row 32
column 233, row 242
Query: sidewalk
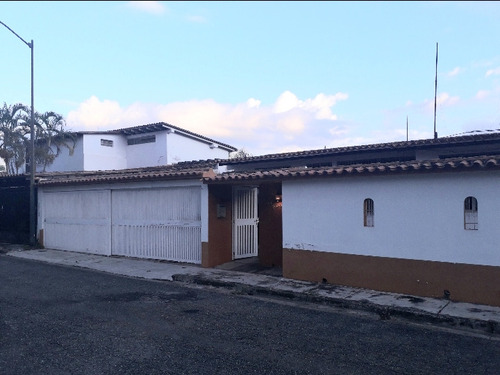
column 457, row 314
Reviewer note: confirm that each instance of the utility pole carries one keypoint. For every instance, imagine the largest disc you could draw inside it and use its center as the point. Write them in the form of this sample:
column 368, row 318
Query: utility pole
column 435, row 93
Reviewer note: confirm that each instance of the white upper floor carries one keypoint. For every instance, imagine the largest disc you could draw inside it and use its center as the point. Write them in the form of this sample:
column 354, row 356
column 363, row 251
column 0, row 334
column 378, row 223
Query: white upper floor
column 137, row 147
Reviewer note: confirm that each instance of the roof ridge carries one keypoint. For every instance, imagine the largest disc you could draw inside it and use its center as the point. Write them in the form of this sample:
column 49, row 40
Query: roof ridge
column 493, row 134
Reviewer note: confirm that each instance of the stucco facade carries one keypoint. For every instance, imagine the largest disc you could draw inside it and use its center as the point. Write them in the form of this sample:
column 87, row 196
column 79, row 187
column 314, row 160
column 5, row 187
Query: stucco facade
column 143, row 146
column 417, row 245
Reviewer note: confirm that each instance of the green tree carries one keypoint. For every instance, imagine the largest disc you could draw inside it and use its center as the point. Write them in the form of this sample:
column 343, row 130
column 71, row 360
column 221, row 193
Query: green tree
column 51, row 137
column 15, row 135
column 240, row 154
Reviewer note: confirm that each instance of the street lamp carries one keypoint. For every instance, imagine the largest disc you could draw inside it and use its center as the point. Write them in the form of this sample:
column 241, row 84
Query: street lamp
column 32, row 144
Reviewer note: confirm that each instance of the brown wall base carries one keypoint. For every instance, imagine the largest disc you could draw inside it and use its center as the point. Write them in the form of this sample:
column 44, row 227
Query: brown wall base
column 465, row 282
column 218, row 250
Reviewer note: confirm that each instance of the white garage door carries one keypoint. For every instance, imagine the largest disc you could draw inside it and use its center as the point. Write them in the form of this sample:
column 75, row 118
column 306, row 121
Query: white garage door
column 77, row 221
column 163, row 223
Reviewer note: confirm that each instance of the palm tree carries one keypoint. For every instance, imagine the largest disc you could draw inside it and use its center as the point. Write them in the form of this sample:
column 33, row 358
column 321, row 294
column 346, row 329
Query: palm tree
column 14, row 127
column 15, row 133
column 51, row 137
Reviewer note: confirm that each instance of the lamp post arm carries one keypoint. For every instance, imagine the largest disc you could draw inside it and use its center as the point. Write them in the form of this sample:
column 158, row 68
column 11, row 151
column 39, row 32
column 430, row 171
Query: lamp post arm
column 30, row 45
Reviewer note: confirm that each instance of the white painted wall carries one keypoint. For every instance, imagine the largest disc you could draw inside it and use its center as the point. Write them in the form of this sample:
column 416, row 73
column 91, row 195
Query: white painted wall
column 90, row 155
column 181, row 148
column 98, row 157
column 66, row 162
column 147, row 154
column 416, row 216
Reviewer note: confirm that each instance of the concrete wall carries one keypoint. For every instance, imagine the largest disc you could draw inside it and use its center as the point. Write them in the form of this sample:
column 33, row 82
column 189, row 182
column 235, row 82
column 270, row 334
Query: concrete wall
column 171, row 148
column 218, row 250
column 147, row 154
column 416, row 216
column 182, row 148
column 418, row 244
column 99, row 157
column 66, row 161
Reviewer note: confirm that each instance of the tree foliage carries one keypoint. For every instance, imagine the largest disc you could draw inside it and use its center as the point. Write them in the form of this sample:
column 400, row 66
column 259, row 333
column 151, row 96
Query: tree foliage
column 240, row 154
column 15, row 134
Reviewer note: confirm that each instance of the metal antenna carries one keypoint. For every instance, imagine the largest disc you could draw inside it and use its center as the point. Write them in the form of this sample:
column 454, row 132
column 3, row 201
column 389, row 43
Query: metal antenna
column 435, row 93
column 407, row 128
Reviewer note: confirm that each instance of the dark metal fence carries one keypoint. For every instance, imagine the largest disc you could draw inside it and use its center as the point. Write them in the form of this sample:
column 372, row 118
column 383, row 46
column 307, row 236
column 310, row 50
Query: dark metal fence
column 14, row 209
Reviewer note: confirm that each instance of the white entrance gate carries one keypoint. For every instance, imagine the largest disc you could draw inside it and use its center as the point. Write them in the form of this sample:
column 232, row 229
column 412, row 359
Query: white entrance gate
column 160, row 223
column 245, row 222
column 153, row 222
column 77, row 220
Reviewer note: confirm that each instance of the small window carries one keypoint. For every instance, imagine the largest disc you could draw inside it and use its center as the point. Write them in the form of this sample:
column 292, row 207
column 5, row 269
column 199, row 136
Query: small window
column 141, row 140
column 368, row 212
column 470, row 214
column 107, row 142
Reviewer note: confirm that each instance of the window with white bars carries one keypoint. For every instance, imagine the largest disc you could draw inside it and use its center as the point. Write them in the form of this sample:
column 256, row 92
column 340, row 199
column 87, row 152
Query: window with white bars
column 368, row 213
column 470, row 214
column 107, row 142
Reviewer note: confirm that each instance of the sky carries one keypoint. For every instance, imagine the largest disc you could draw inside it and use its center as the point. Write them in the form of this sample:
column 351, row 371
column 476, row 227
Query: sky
column 265, row 77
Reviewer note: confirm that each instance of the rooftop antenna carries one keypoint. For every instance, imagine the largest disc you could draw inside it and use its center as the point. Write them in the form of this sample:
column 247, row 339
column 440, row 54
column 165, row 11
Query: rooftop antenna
column 435, row 93
column 406, row 128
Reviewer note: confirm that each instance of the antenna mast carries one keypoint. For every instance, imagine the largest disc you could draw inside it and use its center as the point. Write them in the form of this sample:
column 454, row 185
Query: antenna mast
column 435, row 93
column 406, row 128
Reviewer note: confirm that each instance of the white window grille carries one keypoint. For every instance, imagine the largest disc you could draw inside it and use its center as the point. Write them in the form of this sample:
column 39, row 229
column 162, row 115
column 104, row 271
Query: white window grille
column 141, row 140
column 470, row 214
column 107, row 142
column 368, row 213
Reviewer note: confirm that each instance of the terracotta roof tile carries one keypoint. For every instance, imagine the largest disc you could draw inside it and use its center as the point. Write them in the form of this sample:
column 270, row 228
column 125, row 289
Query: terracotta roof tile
column 463, row 139
column 469, row 163
column 186, row 170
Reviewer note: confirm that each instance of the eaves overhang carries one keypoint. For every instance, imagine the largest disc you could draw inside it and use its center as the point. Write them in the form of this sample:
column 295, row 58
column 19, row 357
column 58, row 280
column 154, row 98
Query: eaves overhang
column 126, row 175
column 485, row 162
column 481, row 138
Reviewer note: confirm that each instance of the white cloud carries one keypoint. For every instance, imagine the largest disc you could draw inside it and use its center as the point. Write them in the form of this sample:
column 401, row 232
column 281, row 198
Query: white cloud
column 286, row 102
column 319, row 105
column 259, row 128
column 253, row 103
column 443, row 100
column 455, row 72
column 93, row 114
column 482, row 94
column 493, row 72
column 196, row 19
column 153, row 7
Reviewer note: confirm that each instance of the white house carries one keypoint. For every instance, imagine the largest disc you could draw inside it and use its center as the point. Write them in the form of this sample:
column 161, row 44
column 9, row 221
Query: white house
column 140, row 146
column 381, row 217
column 417, row 217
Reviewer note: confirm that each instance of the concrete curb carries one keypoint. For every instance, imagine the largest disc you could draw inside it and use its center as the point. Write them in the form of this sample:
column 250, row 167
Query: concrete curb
column 385, row 312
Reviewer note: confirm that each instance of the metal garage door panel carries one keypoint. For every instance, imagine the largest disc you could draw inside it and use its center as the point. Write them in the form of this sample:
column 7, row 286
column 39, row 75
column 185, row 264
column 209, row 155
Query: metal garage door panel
column 78, row 221
column 157, row 223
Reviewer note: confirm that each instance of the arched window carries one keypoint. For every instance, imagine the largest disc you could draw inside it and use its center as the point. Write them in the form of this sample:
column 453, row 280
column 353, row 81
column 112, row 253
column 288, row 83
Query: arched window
column 368, row 213
column 470, row 214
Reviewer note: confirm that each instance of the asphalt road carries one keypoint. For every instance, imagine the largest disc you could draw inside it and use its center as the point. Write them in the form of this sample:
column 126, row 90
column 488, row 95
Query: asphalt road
column 61, row 320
